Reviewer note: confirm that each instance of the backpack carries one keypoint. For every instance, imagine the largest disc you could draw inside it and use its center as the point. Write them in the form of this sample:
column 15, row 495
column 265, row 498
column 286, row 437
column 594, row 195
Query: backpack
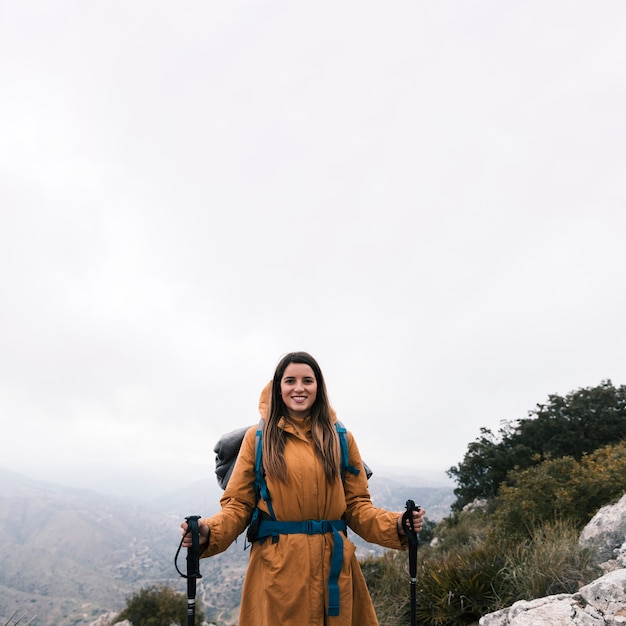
column 227, row 449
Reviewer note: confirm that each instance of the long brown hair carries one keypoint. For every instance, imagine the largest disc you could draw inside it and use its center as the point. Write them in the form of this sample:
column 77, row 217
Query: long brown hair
column 323, row 432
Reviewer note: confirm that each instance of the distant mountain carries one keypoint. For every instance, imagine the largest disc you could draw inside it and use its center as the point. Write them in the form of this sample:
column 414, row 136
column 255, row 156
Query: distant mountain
column 69, row 555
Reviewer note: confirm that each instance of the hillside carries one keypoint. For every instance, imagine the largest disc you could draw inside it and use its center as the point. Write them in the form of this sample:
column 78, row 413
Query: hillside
column 69, row 555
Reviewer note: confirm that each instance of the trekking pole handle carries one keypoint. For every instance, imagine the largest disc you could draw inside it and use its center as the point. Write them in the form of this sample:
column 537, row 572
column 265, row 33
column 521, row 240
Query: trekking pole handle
column 193, row 553
column 407, row 516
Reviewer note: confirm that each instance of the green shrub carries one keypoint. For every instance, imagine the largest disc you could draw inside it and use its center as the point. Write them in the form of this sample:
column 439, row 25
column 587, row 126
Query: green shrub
column 157, row 606
column 560, row 490
column 460, row 586
column 573, row 425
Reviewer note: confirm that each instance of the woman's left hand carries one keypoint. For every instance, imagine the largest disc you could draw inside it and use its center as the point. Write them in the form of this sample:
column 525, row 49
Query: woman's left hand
column 417, row 522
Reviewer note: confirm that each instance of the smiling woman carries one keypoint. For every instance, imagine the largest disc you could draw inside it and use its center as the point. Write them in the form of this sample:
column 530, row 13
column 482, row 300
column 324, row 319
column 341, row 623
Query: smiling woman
column 303, row 568
column 298, row 389
column 298, row 392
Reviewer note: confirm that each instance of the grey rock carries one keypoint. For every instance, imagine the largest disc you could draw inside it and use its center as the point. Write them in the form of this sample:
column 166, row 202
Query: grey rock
column 600, row 603
column 607, row 595
column 606, row 532
column 557, row 610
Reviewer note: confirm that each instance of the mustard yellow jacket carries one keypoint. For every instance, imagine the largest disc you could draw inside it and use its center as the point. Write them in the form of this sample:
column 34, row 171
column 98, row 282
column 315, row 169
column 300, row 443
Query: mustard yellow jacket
column 286, row 582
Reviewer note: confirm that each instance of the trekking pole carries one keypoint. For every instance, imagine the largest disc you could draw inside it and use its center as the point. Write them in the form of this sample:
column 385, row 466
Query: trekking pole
column 193, row 566
column 411, row 535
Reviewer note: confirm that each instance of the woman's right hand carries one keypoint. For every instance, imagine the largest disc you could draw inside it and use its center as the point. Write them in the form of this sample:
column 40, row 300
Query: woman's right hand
column 203, row 529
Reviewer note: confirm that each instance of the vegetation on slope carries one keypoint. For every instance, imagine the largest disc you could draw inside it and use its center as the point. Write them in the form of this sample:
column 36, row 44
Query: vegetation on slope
column 573, row 425
column 539, row 486
column 157, row 605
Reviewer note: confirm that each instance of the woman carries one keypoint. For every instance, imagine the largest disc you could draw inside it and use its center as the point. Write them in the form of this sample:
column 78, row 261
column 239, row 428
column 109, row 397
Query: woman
column 295, row 578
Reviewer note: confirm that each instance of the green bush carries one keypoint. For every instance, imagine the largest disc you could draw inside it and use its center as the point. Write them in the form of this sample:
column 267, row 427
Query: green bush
column 573, row 425
column 459, row 586
column 560, row 490
column 157, row 606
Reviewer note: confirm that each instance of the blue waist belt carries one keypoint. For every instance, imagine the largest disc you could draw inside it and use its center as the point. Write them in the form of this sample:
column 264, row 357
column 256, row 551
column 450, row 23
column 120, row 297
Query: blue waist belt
column 272, row 528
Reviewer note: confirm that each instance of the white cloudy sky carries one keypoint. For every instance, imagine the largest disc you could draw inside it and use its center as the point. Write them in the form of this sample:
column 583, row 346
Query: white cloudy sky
column 427, row 196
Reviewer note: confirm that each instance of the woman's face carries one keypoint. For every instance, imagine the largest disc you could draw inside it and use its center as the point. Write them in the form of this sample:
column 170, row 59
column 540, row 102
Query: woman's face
column 298, row 389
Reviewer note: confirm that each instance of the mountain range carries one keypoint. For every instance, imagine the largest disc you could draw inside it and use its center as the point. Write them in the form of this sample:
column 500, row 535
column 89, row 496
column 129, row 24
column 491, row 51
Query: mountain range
column 69, row 555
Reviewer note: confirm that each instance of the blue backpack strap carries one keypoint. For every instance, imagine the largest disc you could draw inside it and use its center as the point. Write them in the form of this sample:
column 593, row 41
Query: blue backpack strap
column 259, row 484
column 343, row 443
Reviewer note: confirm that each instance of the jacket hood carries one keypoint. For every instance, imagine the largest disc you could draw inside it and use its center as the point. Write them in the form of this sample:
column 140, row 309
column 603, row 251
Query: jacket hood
column 264, row 400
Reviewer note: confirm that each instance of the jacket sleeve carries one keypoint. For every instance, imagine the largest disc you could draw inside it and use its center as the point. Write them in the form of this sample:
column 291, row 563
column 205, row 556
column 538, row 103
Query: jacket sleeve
column 373, row 524
column 238, row 501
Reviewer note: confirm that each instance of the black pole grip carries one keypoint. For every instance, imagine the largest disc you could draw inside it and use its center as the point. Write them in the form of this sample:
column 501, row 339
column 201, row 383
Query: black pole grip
column 409, row 530
column 193, row 553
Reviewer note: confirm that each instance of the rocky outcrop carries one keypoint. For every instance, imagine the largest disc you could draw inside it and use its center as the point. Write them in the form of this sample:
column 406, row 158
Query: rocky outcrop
column 601, row 602
column 606, row 533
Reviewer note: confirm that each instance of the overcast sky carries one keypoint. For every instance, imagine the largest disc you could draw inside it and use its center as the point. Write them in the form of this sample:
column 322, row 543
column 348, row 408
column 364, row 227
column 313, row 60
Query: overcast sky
column 427, row 196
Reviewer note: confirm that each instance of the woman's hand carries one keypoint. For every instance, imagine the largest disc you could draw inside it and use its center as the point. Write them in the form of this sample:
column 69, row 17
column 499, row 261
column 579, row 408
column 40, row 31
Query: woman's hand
column 417, row 522
column 203, row 531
